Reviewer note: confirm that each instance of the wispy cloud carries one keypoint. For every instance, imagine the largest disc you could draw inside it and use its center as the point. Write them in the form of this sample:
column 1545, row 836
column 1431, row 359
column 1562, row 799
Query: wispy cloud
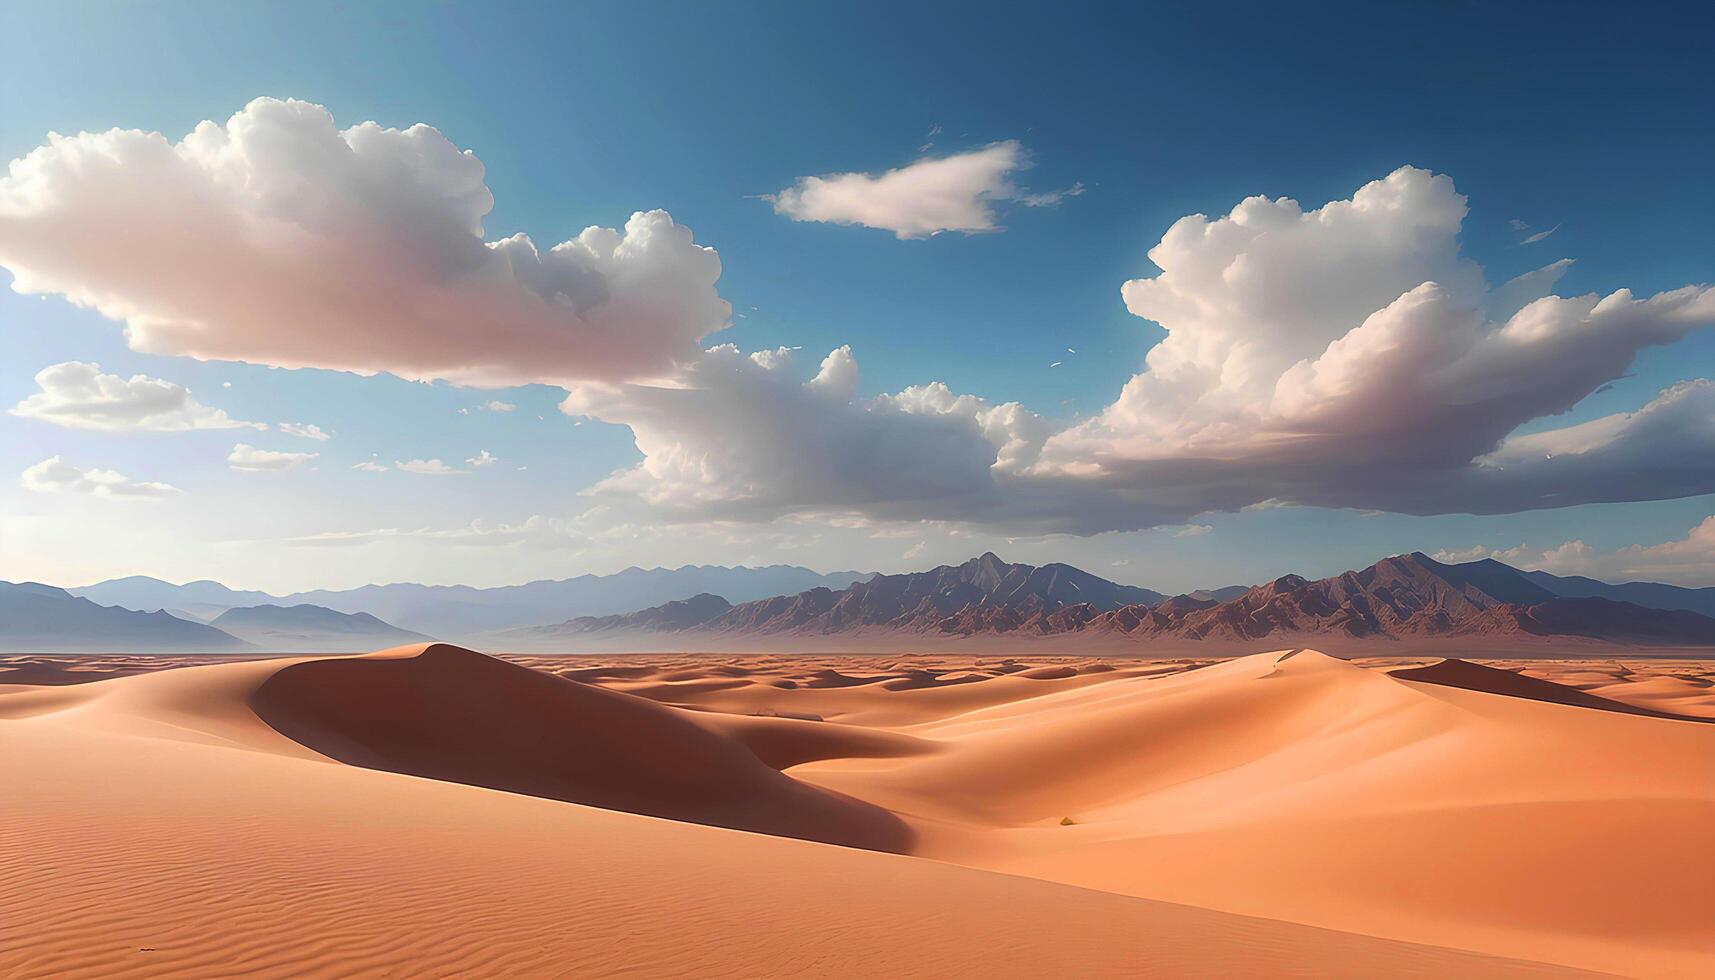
column 427, row 467
column 307, row 431
column 1539, row 236
column 249, row 459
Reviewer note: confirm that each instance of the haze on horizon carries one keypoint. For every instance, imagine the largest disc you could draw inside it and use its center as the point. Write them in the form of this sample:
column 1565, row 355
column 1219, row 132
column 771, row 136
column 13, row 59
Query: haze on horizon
column 295, row 316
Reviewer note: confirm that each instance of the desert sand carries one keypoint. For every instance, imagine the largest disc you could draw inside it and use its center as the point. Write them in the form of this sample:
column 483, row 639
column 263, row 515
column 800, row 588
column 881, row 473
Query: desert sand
column 430, row 810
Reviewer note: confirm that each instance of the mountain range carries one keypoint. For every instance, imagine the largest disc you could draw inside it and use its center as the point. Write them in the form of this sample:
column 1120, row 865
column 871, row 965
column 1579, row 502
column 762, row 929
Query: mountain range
column 305, row 628
column 458, row 611
column 1402, row 597
column 38, row 618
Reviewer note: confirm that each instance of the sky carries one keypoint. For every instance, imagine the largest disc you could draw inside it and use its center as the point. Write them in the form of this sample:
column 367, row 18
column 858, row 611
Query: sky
column 1184, row 297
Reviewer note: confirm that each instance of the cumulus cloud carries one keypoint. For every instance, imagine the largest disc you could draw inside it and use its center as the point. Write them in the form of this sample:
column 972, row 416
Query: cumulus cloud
column 1349, row 356
column 481, row 459
column 306, row 431
column 427, row 467
column 1346, row 356
column 930, row 196
column 278, row 238
column 1193, row 531
column 745, row 436
column 249, row 459
column 498, row 406
column 1688, row 561
column 55, row 475
column 76, row 395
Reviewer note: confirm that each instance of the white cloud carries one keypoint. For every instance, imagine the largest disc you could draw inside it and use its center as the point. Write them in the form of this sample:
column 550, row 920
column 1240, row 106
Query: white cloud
column 930, row 196
column 76, row 395
column 306, row 430
column 498, row 406
column 55, row 475
column 370, row 466
column 1539, row 236
column 252, row 460
column 744, row 436
column 1350, row 357
column 1048, row 199
column 482, row 459
column 1689, row 561
column 279, row 239
column 427, row 467
column 1347, row 356
column 1193, row 531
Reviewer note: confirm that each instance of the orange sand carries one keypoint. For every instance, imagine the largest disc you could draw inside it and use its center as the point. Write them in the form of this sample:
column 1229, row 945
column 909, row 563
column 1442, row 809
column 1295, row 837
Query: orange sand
column 431, row 811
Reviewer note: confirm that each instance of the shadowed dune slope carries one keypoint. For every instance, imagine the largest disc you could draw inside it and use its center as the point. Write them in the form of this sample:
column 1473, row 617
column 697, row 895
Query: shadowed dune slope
column 1453, row 672
column 448, row 713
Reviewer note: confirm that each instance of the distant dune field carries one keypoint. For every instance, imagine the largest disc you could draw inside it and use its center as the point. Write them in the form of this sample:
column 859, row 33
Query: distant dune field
column 431, row 811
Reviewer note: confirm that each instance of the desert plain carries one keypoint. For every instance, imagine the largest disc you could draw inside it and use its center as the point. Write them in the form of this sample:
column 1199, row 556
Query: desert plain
column 434, row 811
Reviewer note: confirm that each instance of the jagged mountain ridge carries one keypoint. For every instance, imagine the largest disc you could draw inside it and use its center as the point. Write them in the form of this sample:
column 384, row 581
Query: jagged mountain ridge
column 983, row 594
column 675, row 615
column 1405, row 596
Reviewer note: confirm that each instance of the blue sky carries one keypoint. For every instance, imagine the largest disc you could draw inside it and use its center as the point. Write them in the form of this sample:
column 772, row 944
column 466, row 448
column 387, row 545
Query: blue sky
column 1568, row 117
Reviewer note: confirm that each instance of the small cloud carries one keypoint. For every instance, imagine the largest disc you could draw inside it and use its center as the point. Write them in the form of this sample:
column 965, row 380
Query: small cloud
column 464, row 411
column 1050, row 198
column 915, row 550
column 428, row 467
column 1123, row 562
column 1518, row 225
column 55, row 475
column 76, row 395
column 1193, row 531
column 369, row 466
column 1539, row 236
column 498, row 406
column 307, row 431
column 226, row 384
column 1056, row 364
column 924, row 198
column 482, row 459
column 249, row 459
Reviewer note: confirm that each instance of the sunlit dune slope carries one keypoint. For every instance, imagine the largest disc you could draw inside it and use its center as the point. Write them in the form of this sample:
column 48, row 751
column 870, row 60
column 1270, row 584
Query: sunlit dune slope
column 157, row 826
column 1301, row 787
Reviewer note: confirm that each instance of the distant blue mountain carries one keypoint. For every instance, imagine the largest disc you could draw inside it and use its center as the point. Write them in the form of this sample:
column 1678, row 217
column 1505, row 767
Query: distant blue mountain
column 37, row 618
column 1652, row 594
column 305, row 628
column 453, row 612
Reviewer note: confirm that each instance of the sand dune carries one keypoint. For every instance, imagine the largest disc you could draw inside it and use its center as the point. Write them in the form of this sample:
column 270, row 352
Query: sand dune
column 1280, row 814
column 449, row 713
